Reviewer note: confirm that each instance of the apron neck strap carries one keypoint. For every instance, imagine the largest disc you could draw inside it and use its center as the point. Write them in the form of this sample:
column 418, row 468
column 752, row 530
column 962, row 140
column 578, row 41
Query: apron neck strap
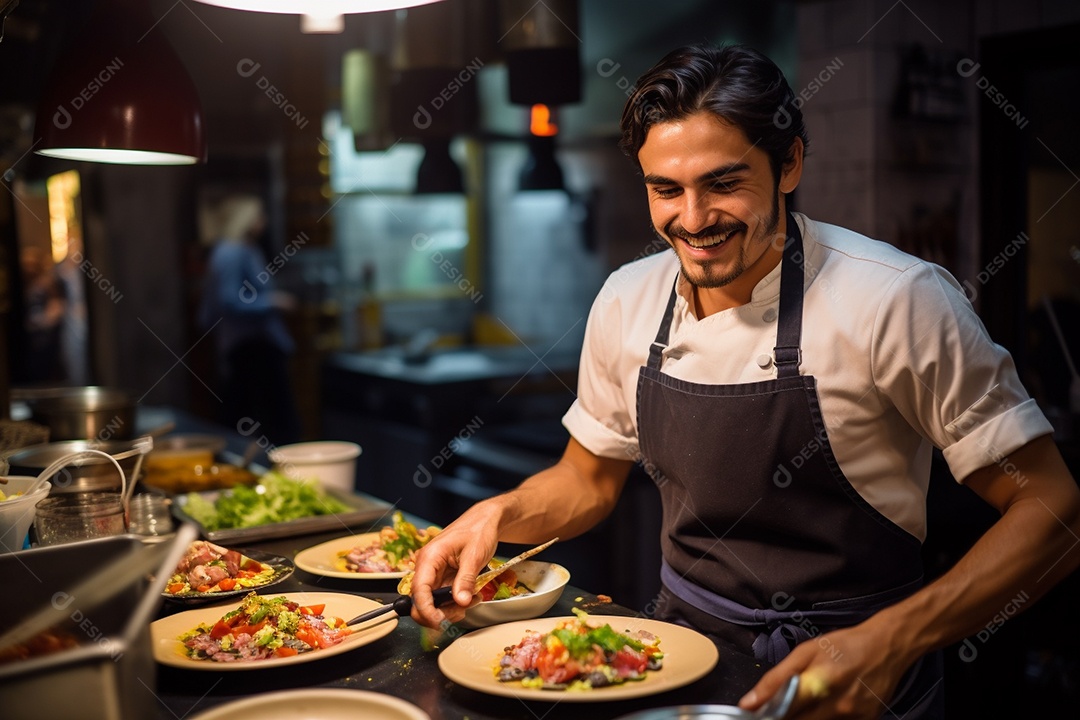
column 657, row 348
column 786, row 354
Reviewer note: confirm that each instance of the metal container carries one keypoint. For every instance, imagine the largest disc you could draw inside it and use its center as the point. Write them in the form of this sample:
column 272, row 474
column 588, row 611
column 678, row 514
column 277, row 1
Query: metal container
column 79, row 413
column 110, row 674
column 93, row 474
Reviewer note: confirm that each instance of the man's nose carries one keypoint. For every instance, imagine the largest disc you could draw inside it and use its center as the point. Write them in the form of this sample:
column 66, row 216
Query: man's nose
column 696, row 214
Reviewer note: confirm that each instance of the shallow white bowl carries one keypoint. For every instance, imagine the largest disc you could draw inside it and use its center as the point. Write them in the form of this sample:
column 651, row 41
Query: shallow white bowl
column 331, row 463
column 546, row 580
column 17, row 514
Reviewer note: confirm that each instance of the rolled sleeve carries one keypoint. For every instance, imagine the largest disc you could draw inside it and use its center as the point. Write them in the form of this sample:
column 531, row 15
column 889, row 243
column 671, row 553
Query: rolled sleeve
column 598, row 438
column 989, row 439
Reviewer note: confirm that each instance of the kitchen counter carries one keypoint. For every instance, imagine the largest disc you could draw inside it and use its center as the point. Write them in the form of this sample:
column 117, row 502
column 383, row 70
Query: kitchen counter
column 398, row 665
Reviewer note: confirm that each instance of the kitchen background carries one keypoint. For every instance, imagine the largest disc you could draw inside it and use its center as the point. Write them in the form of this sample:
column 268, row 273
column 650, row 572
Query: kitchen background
column 442, row 273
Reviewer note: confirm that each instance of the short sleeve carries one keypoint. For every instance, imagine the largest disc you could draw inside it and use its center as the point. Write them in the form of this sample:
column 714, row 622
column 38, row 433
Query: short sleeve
column 935, row 363
column 600, row 419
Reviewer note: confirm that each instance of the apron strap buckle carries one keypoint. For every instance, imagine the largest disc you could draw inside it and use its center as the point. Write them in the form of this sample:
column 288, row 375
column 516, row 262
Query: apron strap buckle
column 787, row 355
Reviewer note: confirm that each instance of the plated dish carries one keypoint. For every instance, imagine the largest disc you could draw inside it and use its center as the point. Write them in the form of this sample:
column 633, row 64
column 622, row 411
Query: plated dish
column 325, row 558
column 326, row 704
column 471, row 660
column 211, row 572
column 170, row 650
column 388, row 553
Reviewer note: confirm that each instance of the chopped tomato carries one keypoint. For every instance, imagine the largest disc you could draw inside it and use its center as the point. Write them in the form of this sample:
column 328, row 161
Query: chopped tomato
column 488, row 591
column 203, row 588
column 174, row 588
column 308, row 636
column 285, row 651
column 226, row 584
column 312, row 609
column 246, row 574
column 220, row 630
column 250, row 629
column 628, row 661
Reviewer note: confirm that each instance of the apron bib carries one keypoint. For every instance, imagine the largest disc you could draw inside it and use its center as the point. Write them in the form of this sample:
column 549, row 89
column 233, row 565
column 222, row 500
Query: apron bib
column 760, row 525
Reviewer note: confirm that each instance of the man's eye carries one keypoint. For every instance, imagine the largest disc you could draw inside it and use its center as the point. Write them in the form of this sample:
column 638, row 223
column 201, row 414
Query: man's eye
column 665, row 192
column 723, row 187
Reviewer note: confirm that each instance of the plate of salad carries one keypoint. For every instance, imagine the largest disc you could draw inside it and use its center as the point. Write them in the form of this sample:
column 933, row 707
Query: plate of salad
column 211, row 572
column 579, row 658
column 383, row 555
column 276, row 507
column 265, row 631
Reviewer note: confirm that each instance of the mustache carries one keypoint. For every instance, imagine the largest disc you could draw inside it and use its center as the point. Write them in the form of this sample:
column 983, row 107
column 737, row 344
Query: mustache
column 678, row 231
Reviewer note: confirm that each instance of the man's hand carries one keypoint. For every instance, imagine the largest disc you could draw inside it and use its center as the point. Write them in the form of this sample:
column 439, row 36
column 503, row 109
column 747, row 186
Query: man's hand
column 456, row 555
column 843, row 674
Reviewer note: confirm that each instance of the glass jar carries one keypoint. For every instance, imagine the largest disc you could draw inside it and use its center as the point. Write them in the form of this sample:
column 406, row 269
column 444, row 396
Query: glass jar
column 71, row 517
column 149, row 515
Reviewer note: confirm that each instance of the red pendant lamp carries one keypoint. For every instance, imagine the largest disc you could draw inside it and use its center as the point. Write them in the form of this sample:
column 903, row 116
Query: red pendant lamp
column 121, row 95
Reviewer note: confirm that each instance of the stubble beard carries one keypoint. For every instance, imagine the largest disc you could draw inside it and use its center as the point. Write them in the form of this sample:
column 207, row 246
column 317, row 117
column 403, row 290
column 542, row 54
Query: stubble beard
column 708, row 275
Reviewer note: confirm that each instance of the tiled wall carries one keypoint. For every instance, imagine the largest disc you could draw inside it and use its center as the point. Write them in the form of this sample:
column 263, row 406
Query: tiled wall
column 901, row 179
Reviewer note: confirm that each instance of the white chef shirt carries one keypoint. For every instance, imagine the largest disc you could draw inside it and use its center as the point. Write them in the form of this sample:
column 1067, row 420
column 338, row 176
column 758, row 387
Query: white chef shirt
column 902, row 363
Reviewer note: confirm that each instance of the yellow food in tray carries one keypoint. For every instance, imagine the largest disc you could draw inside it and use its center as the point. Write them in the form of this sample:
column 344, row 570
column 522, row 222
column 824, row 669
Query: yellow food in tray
column 181, row 478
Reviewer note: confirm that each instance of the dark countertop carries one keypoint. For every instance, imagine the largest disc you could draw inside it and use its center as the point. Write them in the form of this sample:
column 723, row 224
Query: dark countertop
column 457, row 365
column 399, row 666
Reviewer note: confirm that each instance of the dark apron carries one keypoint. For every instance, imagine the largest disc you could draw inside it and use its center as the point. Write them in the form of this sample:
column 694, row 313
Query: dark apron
column 764, row 541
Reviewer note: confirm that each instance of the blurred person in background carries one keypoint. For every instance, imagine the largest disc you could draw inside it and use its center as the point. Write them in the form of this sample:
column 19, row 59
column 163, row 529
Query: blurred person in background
column 46, row 303
column 244, row 313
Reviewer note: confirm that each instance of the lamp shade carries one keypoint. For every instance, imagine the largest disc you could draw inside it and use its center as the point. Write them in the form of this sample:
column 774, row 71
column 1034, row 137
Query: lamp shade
column 320, row 8
column 121, row 95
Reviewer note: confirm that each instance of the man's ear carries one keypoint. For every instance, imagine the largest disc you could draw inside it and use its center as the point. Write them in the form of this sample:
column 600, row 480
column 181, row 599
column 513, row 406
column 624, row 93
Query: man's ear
column 791, row 171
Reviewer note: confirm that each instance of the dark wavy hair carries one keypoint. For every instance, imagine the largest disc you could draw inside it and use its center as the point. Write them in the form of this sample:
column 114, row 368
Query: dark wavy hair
column 736, row 83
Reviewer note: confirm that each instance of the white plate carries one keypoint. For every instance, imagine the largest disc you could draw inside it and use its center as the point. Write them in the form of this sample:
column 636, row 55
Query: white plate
column 471, row 659
column 322, row 559
column 333, row 704
column 168, row 650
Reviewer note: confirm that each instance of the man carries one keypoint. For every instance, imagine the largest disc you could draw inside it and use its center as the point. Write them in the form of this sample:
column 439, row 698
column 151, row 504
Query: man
column 784, row 382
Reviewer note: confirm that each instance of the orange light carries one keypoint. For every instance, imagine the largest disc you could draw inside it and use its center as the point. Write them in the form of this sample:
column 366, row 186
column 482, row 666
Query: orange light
column 540, row 122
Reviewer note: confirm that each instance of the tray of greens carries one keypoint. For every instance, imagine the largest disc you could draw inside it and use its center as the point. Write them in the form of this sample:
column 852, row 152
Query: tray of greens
column 276, row 507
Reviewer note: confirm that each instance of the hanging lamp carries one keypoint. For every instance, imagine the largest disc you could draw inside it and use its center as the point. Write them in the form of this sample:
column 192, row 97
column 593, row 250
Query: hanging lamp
column 319, row 16
column 121, row 95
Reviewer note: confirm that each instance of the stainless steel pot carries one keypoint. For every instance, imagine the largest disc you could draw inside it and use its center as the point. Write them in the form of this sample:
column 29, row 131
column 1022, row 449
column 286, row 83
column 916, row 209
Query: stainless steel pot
column 84, row 475
column 79, row 413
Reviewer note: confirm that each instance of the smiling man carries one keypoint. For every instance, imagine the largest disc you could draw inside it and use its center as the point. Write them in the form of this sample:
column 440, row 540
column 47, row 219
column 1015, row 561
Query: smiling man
column 784, row 382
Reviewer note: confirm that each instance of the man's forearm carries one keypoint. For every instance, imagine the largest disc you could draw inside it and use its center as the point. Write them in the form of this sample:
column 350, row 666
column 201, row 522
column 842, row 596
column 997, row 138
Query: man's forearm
column 1026, row 552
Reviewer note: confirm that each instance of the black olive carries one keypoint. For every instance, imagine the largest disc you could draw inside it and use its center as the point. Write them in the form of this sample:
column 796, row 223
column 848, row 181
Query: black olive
column 508, row 674
column 597, row 679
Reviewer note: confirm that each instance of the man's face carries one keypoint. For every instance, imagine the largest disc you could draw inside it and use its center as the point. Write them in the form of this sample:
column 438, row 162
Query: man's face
column 714, row 199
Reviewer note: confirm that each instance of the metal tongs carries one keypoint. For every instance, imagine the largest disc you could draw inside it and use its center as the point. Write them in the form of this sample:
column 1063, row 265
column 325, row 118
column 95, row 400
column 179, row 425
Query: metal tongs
column 443, row 596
